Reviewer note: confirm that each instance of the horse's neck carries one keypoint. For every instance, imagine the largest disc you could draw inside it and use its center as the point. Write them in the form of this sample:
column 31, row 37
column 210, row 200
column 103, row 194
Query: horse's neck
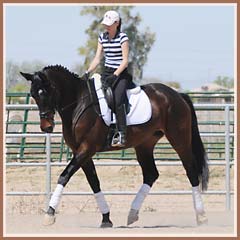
column 73, row 109
column 69, row 94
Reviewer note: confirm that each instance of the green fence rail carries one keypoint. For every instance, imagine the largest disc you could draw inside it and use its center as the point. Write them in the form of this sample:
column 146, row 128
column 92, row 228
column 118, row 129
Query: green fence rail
column 27, row 121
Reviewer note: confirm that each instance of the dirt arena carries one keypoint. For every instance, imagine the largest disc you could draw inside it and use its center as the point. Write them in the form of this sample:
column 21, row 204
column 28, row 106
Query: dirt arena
column 160, row 215
column 149, row 224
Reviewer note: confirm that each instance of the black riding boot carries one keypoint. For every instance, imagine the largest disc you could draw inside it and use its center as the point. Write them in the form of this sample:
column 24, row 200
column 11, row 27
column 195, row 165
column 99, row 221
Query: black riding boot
column 119, row 138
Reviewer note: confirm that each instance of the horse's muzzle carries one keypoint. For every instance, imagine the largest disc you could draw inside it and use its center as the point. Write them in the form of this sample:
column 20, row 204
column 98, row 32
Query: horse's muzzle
column 47, row 129
column 46, row 125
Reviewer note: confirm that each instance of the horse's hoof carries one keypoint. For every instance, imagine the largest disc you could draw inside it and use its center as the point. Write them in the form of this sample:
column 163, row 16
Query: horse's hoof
column 49, row 219
column 201, row 219
column 132, row 216
column 106, row 225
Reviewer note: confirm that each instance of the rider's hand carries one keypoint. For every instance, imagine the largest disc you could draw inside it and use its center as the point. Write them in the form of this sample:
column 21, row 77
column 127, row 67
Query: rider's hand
column 85, row 77
column 111, row 79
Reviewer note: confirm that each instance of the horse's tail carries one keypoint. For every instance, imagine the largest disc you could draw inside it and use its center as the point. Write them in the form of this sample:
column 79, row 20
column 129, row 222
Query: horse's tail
column 197, row 147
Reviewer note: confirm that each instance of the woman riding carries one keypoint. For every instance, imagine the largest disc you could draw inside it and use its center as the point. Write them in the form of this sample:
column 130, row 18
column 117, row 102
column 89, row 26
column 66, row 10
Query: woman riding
column 114, row 44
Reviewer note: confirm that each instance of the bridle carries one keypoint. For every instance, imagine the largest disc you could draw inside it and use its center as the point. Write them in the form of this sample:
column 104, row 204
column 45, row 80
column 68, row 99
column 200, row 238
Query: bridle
column 47, row 115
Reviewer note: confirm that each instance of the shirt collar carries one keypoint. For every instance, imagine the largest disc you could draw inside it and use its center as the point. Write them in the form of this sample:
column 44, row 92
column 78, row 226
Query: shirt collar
column 106, row 35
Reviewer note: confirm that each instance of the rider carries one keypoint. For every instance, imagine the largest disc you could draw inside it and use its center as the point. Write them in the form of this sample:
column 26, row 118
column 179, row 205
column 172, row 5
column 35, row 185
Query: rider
column 115, row 46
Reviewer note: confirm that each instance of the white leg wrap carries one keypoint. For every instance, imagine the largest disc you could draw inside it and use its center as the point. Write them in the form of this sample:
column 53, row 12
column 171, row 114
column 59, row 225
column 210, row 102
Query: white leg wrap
column 101, row 202
column 55, row 199
column 141, row 195
column 197, row 200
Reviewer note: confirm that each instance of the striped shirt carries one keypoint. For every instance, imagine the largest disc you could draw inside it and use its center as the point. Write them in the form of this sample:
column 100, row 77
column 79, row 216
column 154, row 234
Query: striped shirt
column 112, row 48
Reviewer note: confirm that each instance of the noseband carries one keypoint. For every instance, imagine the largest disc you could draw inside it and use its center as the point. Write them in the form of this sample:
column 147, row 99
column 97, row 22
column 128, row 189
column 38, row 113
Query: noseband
column 44, row 115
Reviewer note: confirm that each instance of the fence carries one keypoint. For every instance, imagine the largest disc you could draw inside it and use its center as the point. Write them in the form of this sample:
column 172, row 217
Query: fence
column 228, row 151
column 22, row 149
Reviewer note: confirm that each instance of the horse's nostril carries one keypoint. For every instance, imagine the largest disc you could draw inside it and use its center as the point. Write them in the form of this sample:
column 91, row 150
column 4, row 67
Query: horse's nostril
column 48, row 129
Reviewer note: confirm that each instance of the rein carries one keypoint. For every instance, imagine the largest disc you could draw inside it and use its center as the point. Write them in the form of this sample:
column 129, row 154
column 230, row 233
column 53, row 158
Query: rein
column 69, row 105
column 82, row 105
column 80, row 111
column 66, row 107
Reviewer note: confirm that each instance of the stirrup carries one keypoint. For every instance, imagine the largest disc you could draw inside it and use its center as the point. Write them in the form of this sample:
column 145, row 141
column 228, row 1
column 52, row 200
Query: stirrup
column 117, row 140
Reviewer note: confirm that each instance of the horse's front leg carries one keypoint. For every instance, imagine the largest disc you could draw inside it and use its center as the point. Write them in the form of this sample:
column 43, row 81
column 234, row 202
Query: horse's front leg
column 76, row 162
column 91, row 174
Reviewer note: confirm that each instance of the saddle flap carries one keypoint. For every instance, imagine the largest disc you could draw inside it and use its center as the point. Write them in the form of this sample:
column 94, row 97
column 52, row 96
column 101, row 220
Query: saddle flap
column 110, row 98
column 137, row 99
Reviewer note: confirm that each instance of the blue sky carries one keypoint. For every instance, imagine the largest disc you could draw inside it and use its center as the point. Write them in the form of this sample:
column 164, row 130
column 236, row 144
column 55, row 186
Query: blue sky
column 194, row 43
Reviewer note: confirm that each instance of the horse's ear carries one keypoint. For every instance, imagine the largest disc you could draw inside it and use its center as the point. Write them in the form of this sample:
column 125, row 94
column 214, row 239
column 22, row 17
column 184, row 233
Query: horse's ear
column 28, row 76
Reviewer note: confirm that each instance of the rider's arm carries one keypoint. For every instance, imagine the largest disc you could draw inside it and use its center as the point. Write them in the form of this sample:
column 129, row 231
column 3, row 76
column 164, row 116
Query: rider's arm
column 96, row 59
column 124, row 64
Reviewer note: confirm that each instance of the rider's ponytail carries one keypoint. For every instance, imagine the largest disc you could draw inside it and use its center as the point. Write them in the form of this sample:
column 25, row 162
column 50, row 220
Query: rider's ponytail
column 119, row 25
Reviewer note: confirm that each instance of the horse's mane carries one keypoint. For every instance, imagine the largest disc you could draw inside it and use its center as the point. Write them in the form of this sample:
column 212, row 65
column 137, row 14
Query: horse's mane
column 62, row 69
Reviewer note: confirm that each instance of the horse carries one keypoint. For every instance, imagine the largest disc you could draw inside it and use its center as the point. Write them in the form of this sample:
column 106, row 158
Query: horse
column 55, row 88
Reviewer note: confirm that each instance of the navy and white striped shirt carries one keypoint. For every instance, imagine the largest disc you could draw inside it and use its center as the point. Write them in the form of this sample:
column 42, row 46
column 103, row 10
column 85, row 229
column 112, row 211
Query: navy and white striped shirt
column 112, row 48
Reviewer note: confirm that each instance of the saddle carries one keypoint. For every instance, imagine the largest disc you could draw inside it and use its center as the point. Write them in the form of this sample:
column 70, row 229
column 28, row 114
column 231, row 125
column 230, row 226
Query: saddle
column 139, row 110
column 110, row 98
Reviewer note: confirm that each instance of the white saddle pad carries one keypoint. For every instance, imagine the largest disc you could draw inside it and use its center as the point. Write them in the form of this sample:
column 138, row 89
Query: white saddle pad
column 140, row 110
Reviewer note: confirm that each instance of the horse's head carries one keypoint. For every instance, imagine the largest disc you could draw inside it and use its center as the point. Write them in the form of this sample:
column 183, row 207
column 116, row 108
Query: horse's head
column 43, row 94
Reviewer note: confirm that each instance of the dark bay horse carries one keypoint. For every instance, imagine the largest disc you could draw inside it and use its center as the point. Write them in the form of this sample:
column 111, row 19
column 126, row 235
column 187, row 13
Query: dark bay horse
column 55, row 88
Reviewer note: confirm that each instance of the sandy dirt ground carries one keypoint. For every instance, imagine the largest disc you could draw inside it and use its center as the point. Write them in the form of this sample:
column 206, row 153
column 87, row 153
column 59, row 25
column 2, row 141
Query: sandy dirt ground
column 149, row 224
column 160, row 215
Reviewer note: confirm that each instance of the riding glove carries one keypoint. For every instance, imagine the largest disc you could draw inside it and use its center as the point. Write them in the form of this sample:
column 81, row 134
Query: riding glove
column 111, row 79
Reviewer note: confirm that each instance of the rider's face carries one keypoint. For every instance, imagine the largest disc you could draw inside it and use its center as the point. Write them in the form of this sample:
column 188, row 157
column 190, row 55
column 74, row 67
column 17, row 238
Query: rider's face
column 111, row 29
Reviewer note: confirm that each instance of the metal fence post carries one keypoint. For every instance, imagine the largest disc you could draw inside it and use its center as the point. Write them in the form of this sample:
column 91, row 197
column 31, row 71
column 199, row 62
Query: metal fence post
column 227, row 157
column 48, row 168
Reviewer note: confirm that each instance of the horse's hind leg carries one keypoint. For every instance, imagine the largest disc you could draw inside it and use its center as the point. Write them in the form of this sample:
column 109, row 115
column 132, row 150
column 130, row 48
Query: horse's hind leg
column 188, row 160
column 91, row 174
column 145, row 158
column 183, row 147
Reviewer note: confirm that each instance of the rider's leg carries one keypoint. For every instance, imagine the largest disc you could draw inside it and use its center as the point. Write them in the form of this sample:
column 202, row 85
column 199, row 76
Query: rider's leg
column 120, row 97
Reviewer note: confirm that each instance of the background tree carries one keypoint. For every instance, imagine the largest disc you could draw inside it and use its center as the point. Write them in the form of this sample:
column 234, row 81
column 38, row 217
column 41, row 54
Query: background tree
column 225, row 81
column 14, row 81
column 140, row 43
column 12, row 74
column 174, row 84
